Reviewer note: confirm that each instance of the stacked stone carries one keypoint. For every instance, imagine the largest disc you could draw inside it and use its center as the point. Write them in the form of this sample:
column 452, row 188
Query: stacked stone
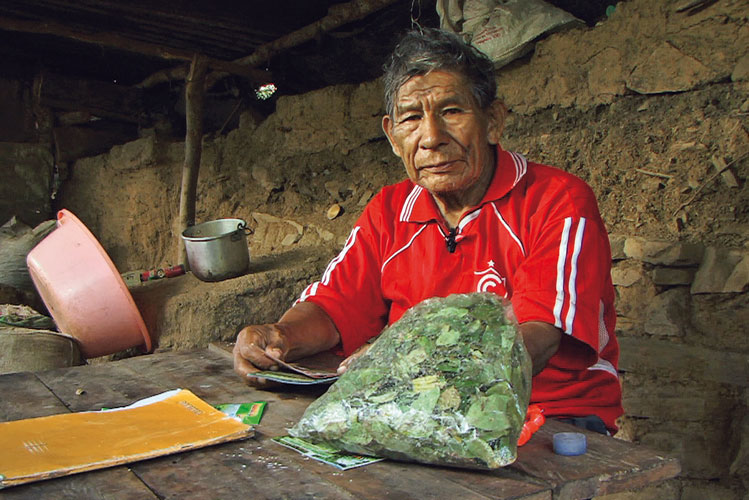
column 684, row 363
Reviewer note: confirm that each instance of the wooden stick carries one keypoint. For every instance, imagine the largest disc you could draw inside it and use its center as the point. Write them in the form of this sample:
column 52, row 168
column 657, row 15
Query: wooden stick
column 194, row 94
column 164, row 76
column 231, row 115
column 708, row 181
column 655, row 174
column 337, row 16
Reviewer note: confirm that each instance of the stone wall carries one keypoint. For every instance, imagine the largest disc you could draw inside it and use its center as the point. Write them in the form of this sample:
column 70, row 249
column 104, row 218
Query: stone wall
column 682, row 310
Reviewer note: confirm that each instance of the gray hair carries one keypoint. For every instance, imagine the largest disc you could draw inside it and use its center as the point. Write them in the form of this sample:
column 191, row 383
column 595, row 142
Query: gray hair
column 429, row 49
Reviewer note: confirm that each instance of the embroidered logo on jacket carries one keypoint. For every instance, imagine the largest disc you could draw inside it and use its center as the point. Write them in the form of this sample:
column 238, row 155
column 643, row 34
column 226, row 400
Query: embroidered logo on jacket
column 491, row 281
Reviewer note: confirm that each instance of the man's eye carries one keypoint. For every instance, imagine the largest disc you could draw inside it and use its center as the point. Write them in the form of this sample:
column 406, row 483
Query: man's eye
column 409, row 118
column 453, row 111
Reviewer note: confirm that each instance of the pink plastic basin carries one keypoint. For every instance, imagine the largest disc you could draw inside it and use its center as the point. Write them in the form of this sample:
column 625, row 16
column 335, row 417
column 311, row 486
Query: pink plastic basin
column 84, row 292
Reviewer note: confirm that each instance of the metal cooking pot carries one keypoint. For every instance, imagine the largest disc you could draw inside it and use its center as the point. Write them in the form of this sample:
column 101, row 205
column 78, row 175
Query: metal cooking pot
column 217, row 250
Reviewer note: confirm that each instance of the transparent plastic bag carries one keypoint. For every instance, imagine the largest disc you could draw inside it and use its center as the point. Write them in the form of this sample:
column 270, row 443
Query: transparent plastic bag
column 447, row 384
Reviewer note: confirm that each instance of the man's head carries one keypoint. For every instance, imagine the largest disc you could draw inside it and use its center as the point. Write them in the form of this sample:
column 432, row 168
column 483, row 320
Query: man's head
column 429, row 49
column 443, row 116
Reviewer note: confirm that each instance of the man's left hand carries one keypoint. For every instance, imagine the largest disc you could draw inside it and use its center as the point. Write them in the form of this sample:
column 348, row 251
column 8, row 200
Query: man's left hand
column 347, row 362
column 542, row 341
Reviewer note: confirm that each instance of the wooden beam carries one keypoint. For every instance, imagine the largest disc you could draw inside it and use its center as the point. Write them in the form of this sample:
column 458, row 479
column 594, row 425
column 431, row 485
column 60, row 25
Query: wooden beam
column 194, row 97
column 337, row 16
column 164, row 76
column 115, row 41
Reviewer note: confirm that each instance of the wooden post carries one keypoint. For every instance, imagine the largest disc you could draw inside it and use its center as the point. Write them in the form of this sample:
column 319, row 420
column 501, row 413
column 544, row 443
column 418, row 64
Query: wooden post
column 194, row 96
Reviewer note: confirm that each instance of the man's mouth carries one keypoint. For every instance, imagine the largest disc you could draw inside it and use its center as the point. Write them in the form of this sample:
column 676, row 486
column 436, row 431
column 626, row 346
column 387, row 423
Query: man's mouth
column 438, row 167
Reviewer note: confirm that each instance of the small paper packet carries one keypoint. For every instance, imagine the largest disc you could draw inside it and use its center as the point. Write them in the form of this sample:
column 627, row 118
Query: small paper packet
column 247, row 413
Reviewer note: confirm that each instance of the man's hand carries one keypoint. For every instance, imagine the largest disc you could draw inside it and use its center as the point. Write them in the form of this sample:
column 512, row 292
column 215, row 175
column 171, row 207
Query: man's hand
column 347, row 362
column 302, row 331
column 542, row 341
column 249, row 351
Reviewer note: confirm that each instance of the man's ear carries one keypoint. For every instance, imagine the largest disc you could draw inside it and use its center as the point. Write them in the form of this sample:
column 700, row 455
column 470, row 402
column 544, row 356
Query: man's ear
column 497, row 117
column 387, row 127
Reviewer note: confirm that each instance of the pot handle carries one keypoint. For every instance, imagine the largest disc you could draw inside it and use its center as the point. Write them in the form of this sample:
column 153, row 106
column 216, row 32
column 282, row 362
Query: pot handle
column 242, row 226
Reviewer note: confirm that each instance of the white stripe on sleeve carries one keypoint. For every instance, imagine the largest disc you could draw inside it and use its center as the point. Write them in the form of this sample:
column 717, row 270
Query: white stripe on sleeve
column 604, row 365
column 308, row 292
column 337, row 260
column 311, row 289
column 572, row 285
column 562, row 258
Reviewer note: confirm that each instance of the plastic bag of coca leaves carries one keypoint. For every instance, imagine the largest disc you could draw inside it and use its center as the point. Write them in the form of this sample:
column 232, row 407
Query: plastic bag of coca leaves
column 447, row 384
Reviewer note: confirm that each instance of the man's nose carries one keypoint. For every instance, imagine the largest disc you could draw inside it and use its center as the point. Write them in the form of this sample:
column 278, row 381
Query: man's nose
column 433, row 132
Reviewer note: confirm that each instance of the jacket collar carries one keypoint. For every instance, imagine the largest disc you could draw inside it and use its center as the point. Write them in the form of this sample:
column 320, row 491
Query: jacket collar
column 511, row 167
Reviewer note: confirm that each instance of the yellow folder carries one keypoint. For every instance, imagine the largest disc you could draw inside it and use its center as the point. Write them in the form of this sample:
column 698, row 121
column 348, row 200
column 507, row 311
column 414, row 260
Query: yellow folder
column 58, row 445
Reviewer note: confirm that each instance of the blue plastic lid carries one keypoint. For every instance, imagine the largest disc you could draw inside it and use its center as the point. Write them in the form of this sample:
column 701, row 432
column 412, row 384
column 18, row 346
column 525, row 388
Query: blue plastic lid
column 570, row 443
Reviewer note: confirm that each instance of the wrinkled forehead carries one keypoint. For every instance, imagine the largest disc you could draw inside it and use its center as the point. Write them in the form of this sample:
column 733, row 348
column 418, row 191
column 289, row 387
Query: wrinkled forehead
column 436, row 84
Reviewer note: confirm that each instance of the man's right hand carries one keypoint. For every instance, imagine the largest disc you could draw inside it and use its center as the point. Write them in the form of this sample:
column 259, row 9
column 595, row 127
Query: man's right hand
column 303, row 330
column 253, row 342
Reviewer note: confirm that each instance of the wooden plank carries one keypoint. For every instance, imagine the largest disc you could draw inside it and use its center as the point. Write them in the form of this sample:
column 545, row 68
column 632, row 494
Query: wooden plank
column 401, row 480
column 267, row 470
column 211, row 377
column 383, row 480
column 287, row 406
column 151, row 23
column 244, row 469
column 609, row 465
column 209, row 374
column 337, row 16
column 391, row 479
column 225, row 349
column 503, row 483
column 107, row 483
column 25, row 396
column 94, row 387
column 623, row 466
column 232, row 469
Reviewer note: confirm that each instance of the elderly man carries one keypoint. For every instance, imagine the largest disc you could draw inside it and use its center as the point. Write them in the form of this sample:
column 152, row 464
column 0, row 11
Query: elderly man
column 471, row 217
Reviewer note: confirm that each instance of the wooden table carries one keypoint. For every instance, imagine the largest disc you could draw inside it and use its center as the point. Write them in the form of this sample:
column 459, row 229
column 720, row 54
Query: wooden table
column 259, row 468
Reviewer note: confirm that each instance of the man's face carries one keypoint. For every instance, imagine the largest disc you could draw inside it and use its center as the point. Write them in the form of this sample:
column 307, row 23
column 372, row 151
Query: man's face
column 441, row 134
